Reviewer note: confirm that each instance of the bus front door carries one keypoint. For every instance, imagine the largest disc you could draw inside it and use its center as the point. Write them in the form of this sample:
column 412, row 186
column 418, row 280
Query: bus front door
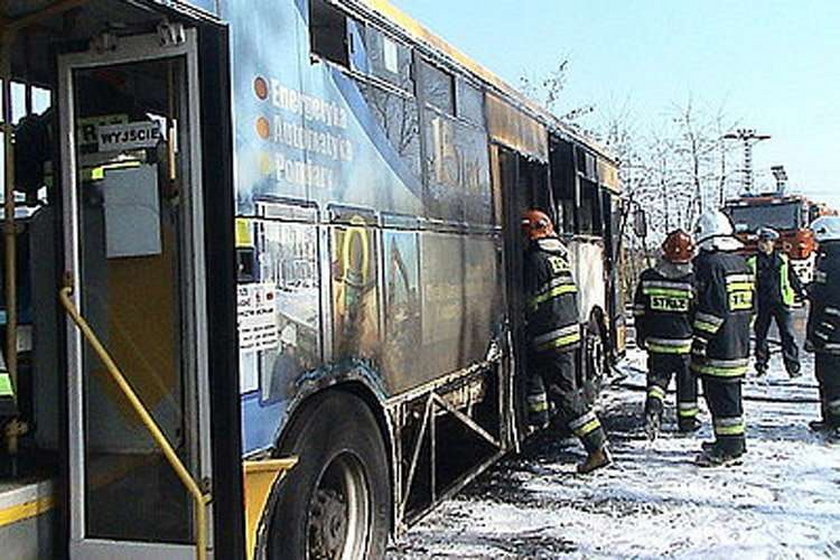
column 131, row 194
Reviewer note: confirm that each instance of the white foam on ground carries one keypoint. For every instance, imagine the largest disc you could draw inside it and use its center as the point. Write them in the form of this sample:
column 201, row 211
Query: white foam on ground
column 782, row 502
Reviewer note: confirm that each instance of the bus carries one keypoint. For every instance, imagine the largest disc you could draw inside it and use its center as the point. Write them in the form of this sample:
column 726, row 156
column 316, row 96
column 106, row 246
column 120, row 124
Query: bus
column 262, row 274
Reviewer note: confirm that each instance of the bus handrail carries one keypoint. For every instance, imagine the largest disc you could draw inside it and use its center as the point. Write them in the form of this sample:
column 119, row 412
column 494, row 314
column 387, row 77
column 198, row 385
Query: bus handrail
column 201, row 498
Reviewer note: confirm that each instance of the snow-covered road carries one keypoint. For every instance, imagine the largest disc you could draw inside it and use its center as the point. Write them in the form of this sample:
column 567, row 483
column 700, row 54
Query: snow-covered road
column 783, row 502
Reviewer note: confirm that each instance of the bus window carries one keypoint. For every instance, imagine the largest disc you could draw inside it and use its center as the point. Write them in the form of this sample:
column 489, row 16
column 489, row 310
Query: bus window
column 355, row 294
column 328, row 32
column 589, row 207
column 398, row 117
column 402, row 308
column 443, row 302
column 442, row 197
column 473, row 163
column 387, row 58
column 437, row 86
column 470, row 103
column 563, row 185
column 288, row 271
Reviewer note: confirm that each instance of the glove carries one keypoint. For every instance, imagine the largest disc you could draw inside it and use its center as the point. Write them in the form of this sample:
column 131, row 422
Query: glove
column 698, row 347
column 809, row 346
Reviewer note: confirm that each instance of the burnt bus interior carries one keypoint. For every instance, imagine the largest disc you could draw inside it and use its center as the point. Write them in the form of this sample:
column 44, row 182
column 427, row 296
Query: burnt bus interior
column 569, row 188
column 124, row 289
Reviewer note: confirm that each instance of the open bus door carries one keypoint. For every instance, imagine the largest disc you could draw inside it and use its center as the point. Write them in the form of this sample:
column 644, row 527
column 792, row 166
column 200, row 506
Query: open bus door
column 134, row 256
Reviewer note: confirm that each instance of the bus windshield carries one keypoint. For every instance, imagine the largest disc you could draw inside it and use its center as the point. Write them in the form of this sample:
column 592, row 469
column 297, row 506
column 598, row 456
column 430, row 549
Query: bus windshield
column 777, row 216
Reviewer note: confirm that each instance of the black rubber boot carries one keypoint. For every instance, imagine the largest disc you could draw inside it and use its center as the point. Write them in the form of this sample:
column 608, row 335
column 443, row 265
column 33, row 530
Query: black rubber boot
column 597, row 459
column 688, row 425
column 716, row 456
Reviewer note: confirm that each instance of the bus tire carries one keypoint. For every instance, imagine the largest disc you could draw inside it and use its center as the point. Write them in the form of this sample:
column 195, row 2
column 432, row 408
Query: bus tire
column 336, row 502
column 594, row 359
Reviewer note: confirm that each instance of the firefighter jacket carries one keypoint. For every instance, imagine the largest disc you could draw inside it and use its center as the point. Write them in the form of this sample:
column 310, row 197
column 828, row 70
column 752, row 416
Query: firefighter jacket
column 551, row 312
column 776, row 281
column 663, row 306
column 824, row 317
column 725, row 305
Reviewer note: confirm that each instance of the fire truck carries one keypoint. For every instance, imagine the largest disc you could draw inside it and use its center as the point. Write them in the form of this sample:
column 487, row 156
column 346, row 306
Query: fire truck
column 789, row 214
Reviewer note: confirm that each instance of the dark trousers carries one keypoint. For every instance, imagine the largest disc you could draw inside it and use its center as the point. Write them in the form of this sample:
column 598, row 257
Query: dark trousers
column 784, row 321
column 661, row 368
column 557, row 372
column 724, row 400
column 827, row 368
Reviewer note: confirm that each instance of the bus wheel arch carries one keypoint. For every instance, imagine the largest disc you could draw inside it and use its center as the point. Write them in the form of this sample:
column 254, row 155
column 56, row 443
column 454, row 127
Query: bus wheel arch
column 336, row 502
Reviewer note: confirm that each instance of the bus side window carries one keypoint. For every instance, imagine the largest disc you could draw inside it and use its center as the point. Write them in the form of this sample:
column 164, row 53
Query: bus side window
column 354, row 258
column 563, row 178
column 328, row 32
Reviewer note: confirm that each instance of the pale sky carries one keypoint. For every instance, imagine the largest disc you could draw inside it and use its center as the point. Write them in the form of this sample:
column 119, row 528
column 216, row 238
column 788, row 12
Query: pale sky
column 773, row 65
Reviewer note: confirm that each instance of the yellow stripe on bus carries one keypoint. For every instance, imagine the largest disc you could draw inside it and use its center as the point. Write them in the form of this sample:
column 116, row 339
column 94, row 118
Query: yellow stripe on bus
column 26, row 510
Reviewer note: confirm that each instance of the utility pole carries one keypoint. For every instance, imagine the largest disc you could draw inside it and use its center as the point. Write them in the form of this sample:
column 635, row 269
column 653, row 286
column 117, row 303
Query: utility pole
column 749, row 137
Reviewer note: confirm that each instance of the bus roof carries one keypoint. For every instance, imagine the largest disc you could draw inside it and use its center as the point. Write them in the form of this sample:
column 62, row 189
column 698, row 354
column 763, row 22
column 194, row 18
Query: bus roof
column 421, row 35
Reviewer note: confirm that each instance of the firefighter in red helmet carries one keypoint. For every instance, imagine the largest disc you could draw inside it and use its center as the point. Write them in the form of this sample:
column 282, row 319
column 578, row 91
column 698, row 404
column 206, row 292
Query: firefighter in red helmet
column 553, row 331
column 663, row 306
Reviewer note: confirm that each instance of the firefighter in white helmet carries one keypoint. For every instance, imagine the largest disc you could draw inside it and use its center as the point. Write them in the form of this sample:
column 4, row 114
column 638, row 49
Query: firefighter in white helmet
column 824, row 323
column 721, row 346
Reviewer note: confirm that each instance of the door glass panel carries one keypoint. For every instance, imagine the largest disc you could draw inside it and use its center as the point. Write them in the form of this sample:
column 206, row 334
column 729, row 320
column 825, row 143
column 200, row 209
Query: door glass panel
column 131, row 141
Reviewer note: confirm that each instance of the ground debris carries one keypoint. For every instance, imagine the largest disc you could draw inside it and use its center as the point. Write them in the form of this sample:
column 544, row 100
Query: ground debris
column 782, row 502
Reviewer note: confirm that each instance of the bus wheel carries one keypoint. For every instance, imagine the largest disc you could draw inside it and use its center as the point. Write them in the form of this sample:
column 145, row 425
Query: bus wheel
column 336, row 502
column 594, row 360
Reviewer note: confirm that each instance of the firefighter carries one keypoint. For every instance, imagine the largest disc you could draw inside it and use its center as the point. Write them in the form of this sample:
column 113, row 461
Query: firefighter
column 824, row 323
column 553, row 332
column 663, row 305
column 777, row 289
column 720, row 350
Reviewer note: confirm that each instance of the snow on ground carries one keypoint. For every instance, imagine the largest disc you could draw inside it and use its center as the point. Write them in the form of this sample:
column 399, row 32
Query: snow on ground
column 783, row 502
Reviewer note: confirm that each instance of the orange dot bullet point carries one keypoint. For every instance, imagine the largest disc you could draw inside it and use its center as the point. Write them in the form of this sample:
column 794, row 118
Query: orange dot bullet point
column 263, row 128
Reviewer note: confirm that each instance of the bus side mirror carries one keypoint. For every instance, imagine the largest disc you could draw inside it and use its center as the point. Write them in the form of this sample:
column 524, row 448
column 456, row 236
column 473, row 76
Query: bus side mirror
column 640, row 226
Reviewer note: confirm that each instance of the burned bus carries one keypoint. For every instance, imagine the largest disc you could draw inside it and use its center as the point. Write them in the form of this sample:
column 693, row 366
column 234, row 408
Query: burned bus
column 262, row 270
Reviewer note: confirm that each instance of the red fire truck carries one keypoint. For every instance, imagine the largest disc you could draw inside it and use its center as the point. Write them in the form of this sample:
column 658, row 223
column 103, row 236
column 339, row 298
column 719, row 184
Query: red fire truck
column 789, row 214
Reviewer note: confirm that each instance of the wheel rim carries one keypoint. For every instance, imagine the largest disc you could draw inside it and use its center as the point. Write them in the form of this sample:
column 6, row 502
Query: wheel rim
column 340, row 512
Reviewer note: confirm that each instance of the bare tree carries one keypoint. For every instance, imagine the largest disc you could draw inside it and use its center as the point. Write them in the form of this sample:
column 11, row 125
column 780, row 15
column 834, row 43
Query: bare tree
column 549, row 92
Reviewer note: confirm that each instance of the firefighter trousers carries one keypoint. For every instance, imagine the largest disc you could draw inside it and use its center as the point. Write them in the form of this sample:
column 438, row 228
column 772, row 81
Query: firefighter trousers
column 726, row 406
column 661, row 368
column 827, row 368
column 557, row 371
column 784, row 322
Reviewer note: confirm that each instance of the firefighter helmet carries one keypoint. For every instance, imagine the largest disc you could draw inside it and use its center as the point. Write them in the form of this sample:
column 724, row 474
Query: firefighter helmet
column 536, row 224
column 713, row 230
column 826, row 229
column 678, row 247
column 767, row 234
